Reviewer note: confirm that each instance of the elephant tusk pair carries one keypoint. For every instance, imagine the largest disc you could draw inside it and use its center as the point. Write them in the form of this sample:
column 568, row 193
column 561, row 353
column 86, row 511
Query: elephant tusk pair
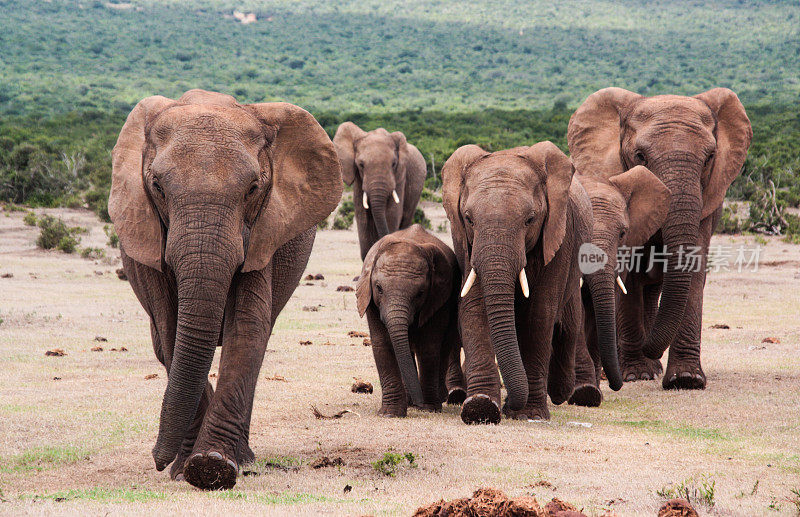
column 621, row 285
column 364, row 201
column 523, row 282
column 395, row 197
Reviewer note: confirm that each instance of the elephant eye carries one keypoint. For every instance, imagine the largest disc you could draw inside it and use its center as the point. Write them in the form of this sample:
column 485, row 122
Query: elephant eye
column 252, row 190
column 469, row 219
column 622, row 234
column 158, row 188
column 379, row 288
column 641, row 158
column 530, row 220
column 710, row 157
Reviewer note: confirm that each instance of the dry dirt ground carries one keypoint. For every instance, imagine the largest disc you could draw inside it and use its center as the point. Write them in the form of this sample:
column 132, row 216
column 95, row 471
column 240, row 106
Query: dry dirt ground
column 76, row 431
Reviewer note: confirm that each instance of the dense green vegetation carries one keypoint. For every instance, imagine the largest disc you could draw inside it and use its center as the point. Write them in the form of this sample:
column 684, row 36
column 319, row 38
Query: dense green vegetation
column 500, row 74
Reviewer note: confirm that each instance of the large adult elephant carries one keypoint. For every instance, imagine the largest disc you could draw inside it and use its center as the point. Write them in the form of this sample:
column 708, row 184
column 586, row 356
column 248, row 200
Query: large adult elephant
column 387, row 174
column 518, row 219
column 215, row 204
column 696, row 146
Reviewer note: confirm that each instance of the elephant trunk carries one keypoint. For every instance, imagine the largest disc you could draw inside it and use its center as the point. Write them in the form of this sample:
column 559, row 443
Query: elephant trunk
column 601, row 287
column 498, row 276
column 397, row 322
column 378, row 198
column 679, row 234
column 204, row 269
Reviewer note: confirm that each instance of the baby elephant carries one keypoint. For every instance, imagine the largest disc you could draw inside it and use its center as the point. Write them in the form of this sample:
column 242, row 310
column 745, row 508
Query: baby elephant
column 409, row 290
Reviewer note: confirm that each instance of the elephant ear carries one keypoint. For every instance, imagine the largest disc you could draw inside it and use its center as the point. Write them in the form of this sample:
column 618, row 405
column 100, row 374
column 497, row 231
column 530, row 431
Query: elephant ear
column 733, row 134
column 306, row 179
column 648, row 202
column 344, row 140
column 453, row 173
column 594, row 130
column 129, row 206
column 399, row 141
column 441, row 266
column 364, row 285
column 558, row 170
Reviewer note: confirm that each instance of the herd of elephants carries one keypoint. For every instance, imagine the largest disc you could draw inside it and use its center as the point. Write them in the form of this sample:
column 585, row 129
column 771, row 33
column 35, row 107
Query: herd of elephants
column 216, row 205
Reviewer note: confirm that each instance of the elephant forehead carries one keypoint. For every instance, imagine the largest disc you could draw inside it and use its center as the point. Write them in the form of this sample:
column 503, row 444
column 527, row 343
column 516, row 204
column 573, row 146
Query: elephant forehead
column 208, row 123
column 508, row 170
column 378, row 138
column 401, row 257
column 673, row 107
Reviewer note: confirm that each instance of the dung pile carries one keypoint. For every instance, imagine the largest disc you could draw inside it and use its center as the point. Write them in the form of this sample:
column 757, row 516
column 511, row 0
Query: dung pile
column 488, row 502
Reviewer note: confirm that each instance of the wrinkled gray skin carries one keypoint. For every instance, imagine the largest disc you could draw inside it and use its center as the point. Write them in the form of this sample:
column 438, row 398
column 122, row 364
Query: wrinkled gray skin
column 408, row 290
column 377, row 163
column 204, row 197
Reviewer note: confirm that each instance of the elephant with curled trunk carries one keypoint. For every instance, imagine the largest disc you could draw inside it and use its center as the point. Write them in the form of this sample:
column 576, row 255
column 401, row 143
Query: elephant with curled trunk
column 408, row 289
column 627, row 209
column 518, row 219
column 216, row 204
column 387, row 174
column 696, row 146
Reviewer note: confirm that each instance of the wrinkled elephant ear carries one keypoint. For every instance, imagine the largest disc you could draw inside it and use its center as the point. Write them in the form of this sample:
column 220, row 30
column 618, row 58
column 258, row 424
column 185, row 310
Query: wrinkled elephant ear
column 558, row 171
column 364, row 285
column 441, row 266
column 129, row 206
column 733, row 134
column 593, row 133
column 399, row 140
column 648, row 202
column 453, row 173
column 306, row 179
column 344, row 140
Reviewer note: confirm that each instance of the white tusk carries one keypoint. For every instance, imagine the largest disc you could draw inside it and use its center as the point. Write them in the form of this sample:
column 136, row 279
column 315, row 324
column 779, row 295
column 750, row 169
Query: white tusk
column 468, row 284
column 621, row 285
column 395, row 197
column 523, row 282
column 364, row 201
column 581, row 282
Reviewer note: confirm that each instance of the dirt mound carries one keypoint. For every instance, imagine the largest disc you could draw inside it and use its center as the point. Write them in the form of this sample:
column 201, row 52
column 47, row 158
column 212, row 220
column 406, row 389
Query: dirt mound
column 488, row 502
column 344, row 289
column 361, row 386
column 677, row 508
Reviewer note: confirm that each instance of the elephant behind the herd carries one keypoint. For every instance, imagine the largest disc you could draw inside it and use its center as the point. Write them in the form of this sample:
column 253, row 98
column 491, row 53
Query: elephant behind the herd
column 216, row 203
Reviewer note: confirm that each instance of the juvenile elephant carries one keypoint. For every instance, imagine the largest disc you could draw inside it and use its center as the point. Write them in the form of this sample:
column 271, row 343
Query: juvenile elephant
column 696, row 146
column 408, row 289
column 215, row 204
column 626, row 210
column 518, row 219
column 387, row 174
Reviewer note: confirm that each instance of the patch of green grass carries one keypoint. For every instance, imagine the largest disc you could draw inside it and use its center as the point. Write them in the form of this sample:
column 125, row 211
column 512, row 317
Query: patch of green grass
column 391, row 462
column 700, row 490
column 103, row 495
column 281, row 498
column 681, row 431
column 44, row 457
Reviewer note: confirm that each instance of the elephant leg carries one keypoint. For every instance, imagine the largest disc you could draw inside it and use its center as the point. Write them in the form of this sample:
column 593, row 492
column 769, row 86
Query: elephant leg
column 394, row 401
column 567, row 337
column 482, row 405
column 650, row 296
column 631, row 325
column 454, row 379
column 683, row 365
column 587, row 366
column 432, row 358
column 212, row 463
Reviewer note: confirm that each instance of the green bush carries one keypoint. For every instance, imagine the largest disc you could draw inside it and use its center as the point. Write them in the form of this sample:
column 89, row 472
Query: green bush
column 389, row 464
column 729, row 222
column 92, row 253
column 30, row 219
column 53, row 233
column 420, row 218
column 111, row 233
column 344, row 216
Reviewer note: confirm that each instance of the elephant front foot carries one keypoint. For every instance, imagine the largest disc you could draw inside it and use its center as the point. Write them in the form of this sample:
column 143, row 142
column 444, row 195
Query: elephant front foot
column 686, row 375
column 392, row 411
column 587, row 395
column 531, row 412
column 210, row 471
column 480, row 409
column 430, row 408
column 244, row 454
column 640, row 369
column 456, row 396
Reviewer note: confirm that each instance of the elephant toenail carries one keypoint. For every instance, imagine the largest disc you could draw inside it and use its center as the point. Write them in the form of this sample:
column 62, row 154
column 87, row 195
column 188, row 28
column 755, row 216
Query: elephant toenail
column 215, row 455
column 196, row 455
column 180, row 477
column 630, row 377
column 233, row 465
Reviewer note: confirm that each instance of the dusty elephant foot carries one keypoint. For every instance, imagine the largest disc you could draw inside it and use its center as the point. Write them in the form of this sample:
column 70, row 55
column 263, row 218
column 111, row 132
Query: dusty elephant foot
column 244, row 454
column 684, row 376
column 210, row 471
column 456, row 396
column 480, row 409
column 587, row 395
column 528, row 413
column 392, row 412
column 640, row 369
column 176, row 470
column 430, row 408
